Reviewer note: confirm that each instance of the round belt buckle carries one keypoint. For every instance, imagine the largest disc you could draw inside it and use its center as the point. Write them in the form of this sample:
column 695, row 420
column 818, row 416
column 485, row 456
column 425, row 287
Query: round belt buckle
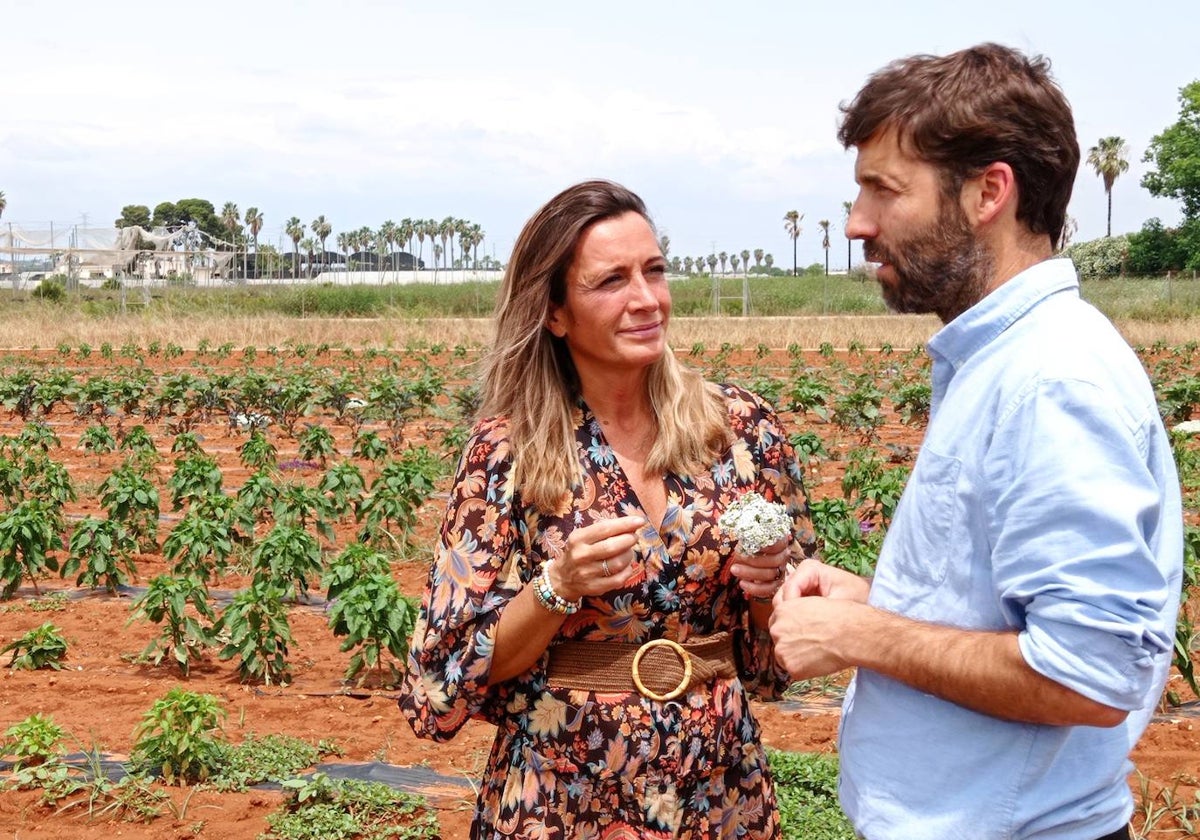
column 678, row 651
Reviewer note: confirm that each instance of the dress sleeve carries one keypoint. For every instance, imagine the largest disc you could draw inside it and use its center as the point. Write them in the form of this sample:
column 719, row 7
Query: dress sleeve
column 475, row 572
column 778, row 478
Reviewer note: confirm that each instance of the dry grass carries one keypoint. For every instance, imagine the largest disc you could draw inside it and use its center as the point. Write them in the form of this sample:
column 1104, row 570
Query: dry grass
column 44, row 330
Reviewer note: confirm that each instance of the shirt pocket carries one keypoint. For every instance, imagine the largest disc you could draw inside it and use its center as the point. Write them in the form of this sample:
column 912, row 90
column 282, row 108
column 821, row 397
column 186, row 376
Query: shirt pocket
column 927, row 518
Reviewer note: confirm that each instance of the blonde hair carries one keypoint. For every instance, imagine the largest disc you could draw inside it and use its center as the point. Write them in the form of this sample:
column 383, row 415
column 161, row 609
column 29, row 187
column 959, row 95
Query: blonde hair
column 528, row 376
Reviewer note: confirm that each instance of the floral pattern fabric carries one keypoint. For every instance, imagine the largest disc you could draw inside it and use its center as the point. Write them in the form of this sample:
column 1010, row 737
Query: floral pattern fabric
column 579, row 764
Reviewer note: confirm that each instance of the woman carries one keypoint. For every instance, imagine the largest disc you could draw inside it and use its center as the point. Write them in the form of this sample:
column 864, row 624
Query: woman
column 582, row 525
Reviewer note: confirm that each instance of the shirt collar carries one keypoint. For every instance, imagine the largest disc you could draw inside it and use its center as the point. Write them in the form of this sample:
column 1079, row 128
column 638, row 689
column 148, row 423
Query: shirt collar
column 974, row 329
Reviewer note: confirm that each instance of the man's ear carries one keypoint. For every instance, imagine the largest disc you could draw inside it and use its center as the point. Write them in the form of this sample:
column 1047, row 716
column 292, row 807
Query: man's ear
column 990, row 194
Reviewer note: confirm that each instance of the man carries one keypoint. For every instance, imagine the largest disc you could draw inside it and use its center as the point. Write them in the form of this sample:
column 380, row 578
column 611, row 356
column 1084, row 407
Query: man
column 1017, row 633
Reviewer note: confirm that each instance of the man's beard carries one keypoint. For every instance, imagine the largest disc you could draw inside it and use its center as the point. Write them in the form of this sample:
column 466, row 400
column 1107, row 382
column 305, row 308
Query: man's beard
column 943, row 268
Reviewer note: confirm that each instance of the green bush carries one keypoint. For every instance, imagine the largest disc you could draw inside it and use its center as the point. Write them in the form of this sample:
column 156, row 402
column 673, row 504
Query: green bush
column 50, row 290
column 1103, row 257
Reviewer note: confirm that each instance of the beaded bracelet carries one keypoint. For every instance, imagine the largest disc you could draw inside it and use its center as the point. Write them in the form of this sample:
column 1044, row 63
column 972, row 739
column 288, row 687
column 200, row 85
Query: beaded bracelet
column 548, row 598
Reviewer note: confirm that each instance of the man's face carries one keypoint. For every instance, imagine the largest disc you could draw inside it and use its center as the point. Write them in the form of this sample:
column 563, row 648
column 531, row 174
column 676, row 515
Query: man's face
column 928, row 255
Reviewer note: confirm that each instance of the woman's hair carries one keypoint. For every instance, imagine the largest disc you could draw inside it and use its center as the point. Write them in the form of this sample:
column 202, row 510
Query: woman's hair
column 967, row 110
column 529, row 378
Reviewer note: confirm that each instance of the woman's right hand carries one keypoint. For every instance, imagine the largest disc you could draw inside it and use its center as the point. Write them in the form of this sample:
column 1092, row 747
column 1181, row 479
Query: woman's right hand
column 597, row 558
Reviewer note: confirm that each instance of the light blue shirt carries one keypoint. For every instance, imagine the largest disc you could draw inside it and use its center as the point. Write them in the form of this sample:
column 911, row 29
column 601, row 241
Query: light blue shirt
column 1044, row 500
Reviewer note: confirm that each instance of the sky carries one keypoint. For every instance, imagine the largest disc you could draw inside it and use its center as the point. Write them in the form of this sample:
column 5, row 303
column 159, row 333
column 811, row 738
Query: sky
column 721, row 115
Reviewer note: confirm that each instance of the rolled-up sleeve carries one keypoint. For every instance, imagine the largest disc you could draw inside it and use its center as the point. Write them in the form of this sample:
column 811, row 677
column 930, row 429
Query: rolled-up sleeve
column 1073, row 558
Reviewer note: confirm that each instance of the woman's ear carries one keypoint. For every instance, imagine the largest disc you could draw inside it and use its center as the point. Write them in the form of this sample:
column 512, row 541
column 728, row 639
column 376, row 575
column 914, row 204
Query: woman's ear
column 556, row 323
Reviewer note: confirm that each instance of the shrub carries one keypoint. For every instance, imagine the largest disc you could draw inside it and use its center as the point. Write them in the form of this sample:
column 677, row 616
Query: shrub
column 42, row 647
column 176, row 737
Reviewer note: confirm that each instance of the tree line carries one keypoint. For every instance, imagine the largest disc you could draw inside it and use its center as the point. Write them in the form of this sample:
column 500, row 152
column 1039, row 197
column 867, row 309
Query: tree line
column 231, row 230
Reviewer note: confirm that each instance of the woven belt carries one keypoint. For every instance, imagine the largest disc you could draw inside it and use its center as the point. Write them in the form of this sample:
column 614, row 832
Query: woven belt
column 659, row 669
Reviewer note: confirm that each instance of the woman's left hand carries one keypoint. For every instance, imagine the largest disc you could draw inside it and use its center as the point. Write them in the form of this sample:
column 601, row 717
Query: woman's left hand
column 760, row 575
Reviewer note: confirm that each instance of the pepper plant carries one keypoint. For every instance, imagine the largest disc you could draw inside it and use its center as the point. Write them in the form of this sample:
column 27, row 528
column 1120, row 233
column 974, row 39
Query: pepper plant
column 377, row 621
column 255, row 629
column 257, row 453
column 200, row 545
column 42, row 647
column 97, row 439
column 316, row 444
column 195, row 476
column 131, row 498
column 101, row 550
column 183, row 637
column 177, row 737
column 29, row 533
column 288, row 555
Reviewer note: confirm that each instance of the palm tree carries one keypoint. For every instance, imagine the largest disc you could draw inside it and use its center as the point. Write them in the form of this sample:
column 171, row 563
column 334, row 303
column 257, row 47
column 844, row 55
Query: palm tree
column 847, row 206
column 688, row 262
column 321, row 230
column 791, row 223
column 308, row 245
column 476, row 240
column 231, row 218
column 745, row 260
column 711, row 259
column 758, row 257
column 723, row 258
column 699, row 265
column 664, row 245
column 824, row 226
column 295, row 232
column 3, row 202
column 769, row 261
column 345, row 244
column 254, row 223
column 1108, row 159
column 676, row 264
column 734, row 262
column 389, row 235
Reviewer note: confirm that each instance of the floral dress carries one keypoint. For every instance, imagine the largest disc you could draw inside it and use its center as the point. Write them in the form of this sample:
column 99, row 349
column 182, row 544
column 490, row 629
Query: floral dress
column 568, row 763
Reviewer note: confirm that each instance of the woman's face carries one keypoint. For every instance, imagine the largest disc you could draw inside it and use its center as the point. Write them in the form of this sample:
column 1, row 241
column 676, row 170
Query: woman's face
column 617, row 304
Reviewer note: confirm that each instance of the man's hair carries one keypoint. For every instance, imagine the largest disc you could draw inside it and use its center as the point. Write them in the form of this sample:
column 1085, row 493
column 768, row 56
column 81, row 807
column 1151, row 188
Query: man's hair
column 964, row 111
column 529, row 378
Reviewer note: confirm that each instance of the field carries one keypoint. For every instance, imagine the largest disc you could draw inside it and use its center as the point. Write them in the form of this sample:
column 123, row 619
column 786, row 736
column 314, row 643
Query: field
column 387, row 400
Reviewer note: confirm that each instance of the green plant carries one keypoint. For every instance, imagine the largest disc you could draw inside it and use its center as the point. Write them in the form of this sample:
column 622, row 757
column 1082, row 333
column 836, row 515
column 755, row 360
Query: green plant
column 138, row 442
column 102, row 551
column 132, row 499
column 175, row 737
column 258, row 494
column 401, row 487
column 42, row 647
column 806, row 787
column 841, row 536
column 298, row 504
column 271, row 758
column 857, row 408
column 182, row 637
column 341, row 485
column 194, row 477
column 47, row 480
column 316, row 444
column 357, row 560
column 369, row 446
column 376, row 619
column 320, row 808
column 255, row 628
column 35, row 740
column 258, row 452
column 912, row 401
column 29, row 532
column 199, row 546
column 287, row 555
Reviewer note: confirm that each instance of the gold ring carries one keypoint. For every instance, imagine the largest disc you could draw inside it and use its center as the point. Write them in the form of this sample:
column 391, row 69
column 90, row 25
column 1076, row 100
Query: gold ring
column 604, row 568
